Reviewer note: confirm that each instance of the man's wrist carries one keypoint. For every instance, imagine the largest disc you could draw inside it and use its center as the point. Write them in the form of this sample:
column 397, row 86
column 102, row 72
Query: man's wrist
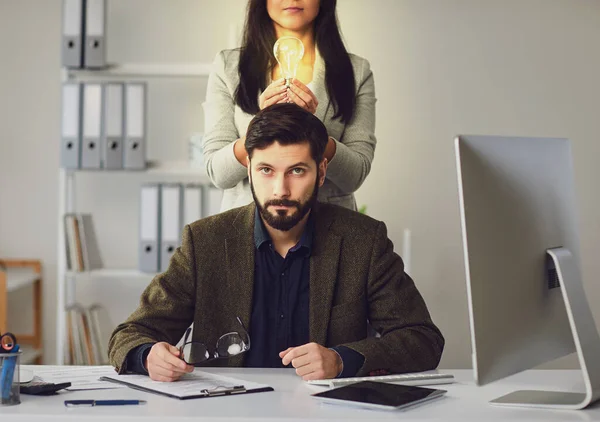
column 339, row 363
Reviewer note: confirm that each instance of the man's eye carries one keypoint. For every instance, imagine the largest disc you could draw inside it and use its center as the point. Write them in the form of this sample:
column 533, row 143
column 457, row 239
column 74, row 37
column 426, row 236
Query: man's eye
column 265, row 170
column 298, row 171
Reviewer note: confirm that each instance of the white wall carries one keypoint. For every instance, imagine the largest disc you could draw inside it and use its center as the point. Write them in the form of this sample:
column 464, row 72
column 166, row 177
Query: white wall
column 442, row 67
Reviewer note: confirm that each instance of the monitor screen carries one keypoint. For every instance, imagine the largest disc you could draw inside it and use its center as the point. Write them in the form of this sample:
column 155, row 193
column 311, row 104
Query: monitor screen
column 517, row 201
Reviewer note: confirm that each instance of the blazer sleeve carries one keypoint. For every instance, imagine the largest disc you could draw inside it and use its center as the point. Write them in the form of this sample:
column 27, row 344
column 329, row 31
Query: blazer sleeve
column 409, row 342
column 355, row 149
column 220, row 131
column 166, row 308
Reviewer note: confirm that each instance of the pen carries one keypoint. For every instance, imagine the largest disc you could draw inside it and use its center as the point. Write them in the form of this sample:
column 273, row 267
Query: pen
column 76, row 403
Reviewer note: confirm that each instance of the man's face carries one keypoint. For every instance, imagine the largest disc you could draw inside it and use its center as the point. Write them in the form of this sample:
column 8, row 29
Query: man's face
column 284, row 182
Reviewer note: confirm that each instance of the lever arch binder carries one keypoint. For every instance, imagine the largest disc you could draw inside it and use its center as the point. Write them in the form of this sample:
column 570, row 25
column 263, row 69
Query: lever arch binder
column 149, row 252
column 71, row 125
column 95, row 29
column 134, row 154
column 92, row 125
column 170, row 222
column 112, row 139
column 72, row 35
column 192, row 203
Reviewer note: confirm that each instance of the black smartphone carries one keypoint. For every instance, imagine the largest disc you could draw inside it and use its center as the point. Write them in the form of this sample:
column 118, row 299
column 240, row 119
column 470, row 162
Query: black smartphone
column 379, row 395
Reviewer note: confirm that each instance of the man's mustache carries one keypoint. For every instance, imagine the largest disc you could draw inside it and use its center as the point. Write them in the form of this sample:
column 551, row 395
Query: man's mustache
column 282, row 203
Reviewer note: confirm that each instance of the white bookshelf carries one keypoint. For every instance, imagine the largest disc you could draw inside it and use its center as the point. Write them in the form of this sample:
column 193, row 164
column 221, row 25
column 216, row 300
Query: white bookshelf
column 141, row 70
column 67, row 280
column 20, row 277
column 29, row 355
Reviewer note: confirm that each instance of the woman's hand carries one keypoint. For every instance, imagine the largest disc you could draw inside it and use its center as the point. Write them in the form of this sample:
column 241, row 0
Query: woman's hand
column 275, row 93
column 300, row 94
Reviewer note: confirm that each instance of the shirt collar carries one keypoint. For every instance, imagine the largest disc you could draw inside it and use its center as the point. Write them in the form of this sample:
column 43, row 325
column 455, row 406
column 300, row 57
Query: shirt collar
column 261, row 235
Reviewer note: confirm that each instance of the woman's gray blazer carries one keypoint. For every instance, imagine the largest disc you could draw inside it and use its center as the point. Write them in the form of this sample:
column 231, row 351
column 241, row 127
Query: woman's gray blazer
column 225, row 122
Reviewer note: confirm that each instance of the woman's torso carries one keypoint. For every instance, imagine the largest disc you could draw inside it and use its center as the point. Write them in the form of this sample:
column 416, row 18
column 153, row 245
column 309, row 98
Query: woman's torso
column 241, row 194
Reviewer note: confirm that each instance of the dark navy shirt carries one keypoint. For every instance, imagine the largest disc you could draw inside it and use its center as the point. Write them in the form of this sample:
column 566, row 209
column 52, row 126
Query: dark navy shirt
column 280, row 299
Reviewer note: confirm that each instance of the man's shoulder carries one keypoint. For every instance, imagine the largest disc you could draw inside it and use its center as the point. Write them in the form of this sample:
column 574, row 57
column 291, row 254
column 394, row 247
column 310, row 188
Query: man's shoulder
column 225, row 224
column 344, row 220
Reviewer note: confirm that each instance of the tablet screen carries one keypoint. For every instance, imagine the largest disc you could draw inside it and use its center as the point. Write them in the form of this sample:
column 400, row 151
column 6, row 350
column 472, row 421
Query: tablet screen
column 379, row 394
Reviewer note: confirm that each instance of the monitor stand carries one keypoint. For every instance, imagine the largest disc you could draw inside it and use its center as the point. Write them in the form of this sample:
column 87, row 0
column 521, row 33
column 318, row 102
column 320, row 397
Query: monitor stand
column 585, row 336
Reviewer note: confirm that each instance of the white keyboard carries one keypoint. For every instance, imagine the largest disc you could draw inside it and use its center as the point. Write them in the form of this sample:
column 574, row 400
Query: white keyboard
column 417, row 378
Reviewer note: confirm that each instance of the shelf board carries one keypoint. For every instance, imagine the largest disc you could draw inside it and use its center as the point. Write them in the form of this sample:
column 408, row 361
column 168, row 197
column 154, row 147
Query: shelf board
column 29, row 355
column 181, row 168
column 19, row 277
column 112, row 273
column 143, row 70
column 176, row 167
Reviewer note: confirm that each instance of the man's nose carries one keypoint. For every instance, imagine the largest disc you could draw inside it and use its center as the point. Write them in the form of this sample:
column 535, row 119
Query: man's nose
column 280, row 187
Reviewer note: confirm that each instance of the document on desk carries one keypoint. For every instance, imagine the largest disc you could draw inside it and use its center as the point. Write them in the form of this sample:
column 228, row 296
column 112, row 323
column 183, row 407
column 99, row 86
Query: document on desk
column 198, row 384
column 80, row 377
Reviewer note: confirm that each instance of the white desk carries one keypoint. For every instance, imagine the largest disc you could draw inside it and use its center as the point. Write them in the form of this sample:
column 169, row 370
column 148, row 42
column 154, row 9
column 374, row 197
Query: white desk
column 291, row 402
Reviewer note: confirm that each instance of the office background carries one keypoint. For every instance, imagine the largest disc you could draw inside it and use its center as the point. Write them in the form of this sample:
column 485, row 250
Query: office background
column 442, row 67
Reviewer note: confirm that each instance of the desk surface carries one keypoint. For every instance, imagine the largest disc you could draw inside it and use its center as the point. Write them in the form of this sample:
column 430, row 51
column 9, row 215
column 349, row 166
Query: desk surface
column 291, row 401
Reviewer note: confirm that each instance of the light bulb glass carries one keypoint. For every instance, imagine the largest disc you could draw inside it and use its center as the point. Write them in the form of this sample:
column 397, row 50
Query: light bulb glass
column 288, row 51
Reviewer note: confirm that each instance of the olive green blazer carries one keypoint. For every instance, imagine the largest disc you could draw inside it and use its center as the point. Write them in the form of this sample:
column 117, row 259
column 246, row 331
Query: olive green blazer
column 355, row 276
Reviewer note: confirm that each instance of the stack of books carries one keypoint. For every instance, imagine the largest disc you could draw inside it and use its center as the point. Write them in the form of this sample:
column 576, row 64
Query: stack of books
column 82, row 251
column 87, row 341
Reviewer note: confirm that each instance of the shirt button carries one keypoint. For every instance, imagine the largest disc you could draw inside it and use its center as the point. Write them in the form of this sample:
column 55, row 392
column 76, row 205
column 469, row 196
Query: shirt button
column 283, row 274
column 281, row 316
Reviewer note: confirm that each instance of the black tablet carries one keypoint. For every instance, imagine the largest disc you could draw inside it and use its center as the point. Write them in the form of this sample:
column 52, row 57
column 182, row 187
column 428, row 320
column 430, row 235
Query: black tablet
column 379, row 395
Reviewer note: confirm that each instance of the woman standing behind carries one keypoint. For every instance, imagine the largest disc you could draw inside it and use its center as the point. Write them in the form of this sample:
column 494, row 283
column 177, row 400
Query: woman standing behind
column 334, row 85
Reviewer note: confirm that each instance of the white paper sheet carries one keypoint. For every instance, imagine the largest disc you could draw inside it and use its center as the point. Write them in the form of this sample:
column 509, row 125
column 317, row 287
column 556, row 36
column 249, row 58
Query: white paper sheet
column 80, row 377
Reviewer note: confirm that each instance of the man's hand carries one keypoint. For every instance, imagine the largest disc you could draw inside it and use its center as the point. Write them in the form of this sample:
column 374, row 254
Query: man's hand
column 163, row 363
column 313, row 361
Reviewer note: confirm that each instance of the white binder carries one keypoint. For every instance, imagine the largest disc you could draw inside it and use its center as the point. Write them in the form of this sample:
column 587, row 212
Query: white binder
column 95, row 29
column 134, row 152
column 71, row 125
column 192, row 203
column 92, row 124
column 213, row 201
column 72, row 35
column 170, row 226
column 112, row 137
column 149, row 228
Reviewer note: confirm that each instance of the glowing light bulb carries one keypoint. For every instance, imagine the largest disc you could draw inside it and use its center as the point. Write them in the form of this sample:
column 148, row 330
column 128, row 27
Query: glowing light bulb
column 288, row 51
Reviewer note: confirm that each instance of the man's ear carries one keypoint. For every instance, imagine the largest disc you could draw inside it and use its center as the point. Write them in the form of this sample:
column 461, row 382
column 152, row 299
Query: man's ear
column 248, row 164
column 322, row 171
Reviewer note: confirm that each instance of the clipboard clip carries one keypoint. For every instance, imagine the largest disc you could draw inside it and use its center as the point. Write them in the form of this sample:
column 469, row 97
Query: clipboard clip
column 223, row 391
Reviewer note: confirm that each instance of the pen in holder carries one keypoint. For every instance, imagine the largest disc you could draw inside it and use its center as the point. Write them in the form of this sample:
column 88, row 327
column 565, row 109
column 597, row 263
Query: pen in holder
column 9, row 377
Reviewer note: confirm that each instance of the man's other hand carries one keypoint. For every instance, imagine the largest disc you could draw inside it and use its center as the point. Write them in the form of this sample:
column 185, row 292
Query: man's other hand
column 313, row 361
column 164, row 364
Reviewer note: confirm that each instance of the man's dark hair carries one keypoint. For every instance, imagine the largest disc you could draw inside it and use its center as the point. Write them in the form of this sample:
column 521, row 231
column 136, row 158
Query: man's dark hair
column 287, row 124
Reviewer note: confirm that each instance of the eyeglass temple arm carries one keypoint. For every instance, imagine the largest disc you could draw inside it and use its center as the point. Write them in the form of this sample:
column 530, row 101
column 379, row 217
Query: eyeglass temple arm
column 245, row 331
column 185, row 337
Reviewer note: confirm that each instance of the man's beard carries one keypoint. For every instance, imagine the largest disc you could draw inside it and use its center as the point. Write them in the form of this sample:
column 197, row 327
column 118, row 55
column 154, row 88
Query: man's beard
column 281, row 221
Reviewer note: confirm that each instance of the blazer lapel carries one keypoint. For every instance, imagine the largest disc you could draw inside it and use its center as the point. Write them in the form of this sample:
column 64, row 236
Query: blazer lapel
column 323, row 276
column 239, row 251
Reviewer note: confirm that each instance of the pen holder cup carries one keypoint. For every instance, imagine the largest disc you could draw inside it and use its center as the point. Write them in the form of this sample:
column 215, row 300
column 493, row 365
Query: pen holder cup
column 9, row 378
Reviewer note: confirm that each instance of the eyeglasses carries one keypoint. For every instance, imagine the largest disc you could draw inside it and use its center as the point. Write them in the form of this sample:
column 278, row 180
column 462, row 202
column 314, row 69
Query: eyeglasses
column 228, row 345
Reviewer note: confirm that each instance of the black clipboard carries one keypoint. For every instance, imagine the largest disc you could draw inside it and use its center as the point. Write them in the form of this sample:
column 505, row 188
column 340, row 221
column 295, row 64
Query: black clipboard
column 215, row 392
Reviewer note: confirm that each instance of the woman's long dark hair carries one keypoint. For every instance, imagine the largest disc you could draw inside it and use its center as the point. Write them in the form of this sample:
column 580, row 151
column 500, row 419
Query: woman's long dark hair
column 256, row 58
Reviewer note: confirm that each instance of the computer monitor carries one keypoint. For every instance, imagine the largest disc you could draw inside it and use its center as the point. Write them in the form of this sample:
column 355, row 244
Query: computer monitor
column 526, row 300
